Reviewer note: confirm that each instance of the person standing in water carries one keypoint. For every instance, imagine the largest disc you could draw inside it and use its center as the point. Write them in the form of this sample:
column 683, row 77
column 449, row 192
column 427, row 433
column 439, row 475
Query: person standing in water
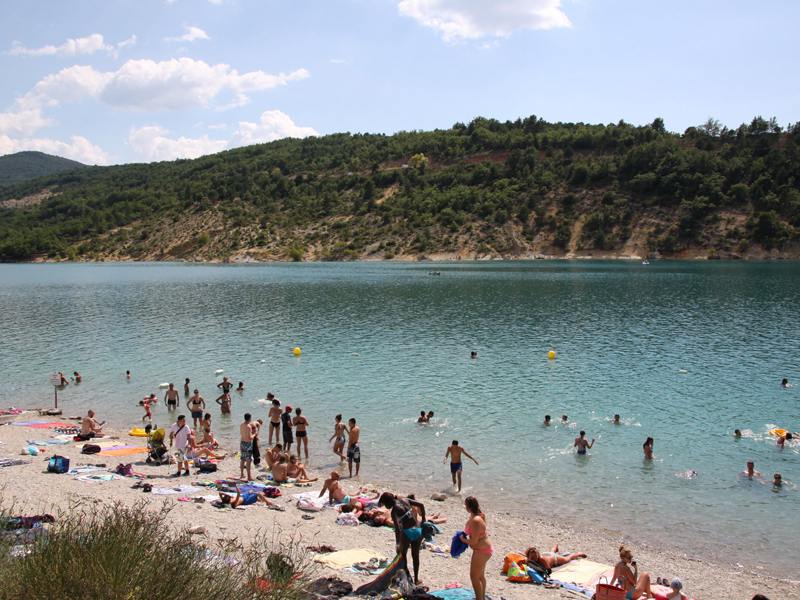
column 353, row 450
column 454, row 452
column 647, row 448
column 274, row 416
column 301, row 433
column 224, row 400
column 247, row 431
column 286, row 422
column 582, row 444
column 171, row 397
column 196, row 404
column 785, row 383
column 128, row 375
column 76, row 376
column 186, row 387
column 477, row 538
column 547, row 420
column 616, row 420
column 339, row 430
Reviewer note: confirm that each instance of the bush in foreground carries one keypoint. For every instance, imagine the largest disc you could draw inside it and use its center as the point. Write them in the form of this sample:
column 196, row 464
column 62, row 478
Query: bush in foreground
column 133, row 553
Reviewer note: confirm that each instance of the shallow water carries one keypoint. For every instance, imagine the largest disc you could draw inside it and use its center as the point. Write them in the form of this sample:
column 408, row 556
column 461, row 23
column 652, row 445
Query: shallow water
column 685, row 352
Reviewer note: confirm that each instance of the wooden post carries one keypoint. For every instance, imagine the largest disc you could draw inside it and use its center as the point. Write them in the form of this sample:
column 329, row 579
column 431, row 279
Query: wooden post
column 55, row 379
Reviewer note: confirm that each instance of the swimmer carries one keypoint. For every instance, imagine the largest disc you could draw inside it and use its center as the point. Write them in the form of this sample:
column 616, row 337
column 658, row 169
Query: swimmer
column 224, row 399
column 240, row 388
column 582, row 444
column 547, row 420
column 423, row 418
column 473, row 354
column 77, row 377
column 782, row 440
column 647, row 447
column 750, row 471
column 171, row 397
column 777, row 480
column 339, row 430
column 274, row 416
column 454, row 452
column 63, row 379
column 429, row 416
column 616, row 420
column 196, row 404
column 127, row 375
column 551, row 560
column 737, row 433
column 564, row 419
column 186, row 387
column 785, row 383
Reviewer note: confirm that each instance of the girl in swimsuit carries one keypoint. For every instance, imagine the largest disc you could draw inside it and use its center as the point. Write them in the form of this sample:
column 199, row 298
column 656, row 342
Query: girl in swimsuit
column 635, row 585
column 339, row 429
column 478, row 540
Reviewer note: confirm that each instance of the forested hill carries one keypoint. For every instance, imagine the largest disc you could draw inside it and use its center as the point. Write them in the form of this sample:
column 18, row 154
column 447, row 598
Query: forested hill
column 486, row 189
column 22, row 166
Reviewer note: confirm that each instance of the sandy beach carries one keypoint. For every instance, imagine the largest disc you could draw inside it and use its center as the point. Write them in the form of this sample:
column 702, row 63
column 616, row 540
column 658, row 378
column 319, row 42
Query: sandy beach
column 31, row 490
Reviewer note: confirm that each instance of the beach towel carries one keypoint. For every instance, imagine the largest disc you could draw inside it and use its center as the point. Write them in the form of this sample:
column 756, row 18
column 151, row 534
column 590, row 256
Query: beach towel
column 104, row 444
column 53, row 442
column 44, row 424
column 457, row 546
column 582, row 572
column 84, row 469
column 12, row 462
column 97, row 477
column 346, row 558
column 384, row 579
column 309, row 501
column 181, row 489
column 128, row 451
column 458, row 593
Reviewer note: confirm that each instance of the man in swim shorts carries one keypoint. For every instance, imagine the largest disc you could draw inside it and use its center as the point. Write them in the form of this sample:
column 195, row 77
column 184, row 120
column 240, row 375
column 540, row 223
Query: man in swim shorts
column 171, row 397
column 179, row 434
column 247, row 431
column 454, row 452
column 196, row 404
column 353, row 451
column 582, row 444
column 274, row 416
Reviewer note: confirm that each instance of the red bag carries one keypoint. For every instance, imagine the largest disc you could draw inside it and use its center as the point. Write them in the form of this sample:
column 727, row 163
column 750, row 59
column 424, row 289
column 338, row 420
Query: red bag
column 603, row 591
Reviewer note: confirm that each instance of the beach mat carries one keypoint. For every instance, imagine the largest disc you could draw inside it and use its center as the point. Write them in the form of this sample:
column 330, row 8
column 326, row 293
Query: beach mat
column 582, row 572
column 458, row 593
column 123, row 451
column 384, row 578
column 345, row 558
column 45, row 424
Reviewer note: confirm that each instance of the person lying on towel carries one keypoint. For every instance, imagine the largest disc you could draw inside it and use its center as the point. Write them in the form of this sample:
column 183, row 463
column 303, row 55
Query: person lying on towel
column 550, row 560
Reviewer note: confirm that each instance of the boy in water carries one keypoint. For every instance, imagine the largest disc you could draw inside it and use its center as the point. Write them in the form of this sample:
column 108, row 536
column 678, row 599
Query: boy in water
column 353, row 451
column 423, row 418
column 582, row 444
column 454, row 452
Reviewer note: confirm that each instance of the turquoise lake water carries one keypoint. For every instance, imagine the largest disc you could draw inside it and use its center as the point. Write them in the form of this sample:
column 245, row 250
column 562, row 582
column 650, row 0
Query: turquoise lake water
column 685, row 352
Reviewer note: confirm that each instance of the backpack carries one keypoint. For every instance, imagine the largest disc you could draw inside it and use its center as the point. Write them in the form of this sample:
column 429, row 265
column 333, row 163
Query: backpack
column 90, row 449
column 58, row 464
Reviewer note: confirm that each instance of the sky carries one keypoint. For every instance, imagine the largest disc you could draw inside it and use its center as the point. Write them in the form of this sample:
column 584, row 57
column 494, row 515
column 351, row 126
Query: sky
column 116, row 81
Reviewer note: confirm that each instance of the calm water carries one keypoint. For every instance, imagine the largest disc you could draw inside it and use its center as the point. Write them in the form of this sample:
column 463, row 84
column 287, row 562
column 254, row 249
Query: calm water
column 684, row 352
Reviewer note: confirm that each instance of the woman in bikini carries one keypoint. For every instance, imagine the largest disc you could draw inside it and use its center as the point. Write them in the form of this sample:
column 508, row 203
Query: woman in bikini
column 297, row 470
column 339, row 430
column 551, row 560
column 626, row 573
column 478, row 540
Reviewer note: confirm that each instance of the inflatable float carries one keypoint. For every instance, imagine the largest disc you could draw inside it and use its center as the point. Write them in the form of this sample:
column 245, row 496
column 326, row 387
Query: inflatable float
column 219, row 371
column 163, row 386
column 137, row 432
column 777, row 432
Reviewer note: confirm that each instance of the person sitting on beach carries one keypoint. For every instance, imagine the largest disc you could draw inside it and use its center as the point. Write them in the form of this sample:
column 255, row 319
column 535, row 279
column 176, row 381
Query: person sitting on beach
column 335, row 492
column 626, row 572
column 547, row 420
column 407, row 527
column 297, row 470
column 273, row 455
column 280, row 470
column 246, row 499
column 582, row 444
column 750, row 470
column 359, row 502
column 551, row 560
column 647, row 448
column 195, row 450
column 90, row 428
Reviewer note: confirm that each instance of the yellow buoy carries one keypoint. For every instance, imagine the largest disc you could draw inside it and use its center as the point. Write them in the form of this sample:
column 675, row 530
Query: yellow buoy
column 297, row 351
column 551, row 355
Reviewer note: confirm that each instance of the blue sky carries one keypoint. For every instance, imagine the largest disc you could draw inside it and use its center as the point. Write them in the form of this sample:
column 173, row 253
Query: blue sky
column 110, row 81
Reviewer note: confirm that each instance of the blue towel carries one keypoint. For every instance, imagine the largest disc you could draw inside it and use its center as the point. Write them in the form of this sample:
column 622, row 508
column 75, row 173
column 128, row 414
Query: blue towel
column 457, row 547
column 454, row 594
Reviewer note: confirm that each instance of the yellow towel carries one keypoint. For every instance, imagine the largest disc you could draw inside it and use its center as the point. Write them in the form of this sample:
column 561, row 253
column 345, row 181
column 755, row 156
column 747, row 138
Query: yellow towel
column 123, row 452
column 582, row 572
column 346, row 558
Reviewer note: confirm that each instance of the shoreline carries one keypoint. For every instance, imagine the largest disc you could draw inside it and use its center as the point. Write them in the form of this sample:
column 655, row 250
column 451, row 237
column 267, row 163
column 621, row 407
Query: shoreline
column 32, row 490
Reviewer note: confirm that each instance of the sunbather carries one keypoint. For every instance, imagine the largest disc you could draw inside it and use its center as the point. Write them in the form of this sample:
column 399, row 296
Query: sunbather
column 551, row 560
column 90, row 428
column 626, row 572
column 297, row 470
column 245, row 499
column 334, row 489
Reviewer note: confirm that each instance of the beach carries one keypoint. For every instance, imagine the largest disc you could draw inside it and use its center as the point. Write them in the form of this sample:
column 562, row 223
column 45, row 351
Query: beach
column 31, row 490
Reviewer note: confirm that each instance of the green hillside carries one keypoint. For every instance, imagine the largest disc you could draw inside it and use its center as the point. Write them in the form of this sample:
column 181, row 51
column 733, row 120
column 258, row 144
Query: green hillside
column 22, row 166
column 485, row 189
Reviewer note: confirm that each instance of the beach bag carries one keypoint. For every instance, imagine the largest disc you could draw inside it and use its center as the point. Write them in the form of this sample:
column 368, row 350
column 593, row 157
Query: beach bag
column 516, row 574
column 603, row 591
column 207, row 467
column 58, row 464
column 512, row 558
column 124, row 470
column 90, row 449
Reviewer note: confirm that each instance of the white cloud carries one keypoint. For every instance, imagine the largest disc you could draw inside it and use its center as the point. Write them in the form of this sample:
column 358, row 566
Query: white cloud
column 192, row 35
column 22, row 122
column 458, row 20
column 174, row 84
column 152, row 142
column 273, row 125
column 78, row 148
column 73, row 47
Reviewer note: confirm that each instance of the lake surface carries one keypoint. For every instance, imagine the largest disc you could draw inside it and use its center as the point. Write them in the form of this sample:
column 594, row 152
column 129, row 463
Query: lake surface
column 684, row 352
